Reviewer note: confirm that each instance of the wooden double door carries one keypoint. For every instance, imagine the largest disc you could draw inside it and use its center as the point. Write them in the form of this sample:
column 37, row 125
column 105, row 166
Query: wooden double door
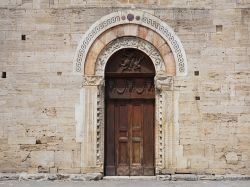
column 129, row 128
column 130, row 137
column 129, row 118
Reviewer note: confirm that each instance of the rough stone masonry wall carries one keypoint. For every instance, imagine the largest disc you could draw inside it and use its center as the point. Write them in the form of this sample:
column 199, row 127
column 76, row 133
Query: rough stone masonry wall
column 38, row 95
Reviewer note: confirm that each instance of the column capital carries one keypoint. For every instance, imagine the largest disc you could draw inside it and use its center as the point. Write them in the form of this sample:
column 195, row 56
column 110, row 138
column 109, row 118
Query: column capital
column 92, row 80
column 164, row 83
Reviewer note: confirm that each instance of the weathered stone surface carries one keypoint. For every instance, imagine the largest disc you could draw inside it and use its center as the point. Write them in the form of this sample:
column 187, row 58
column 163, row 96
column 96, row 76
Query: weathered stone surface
column 185, row 177
column 50, row 177
column 8, row 176
column 204, row 116
column 231, row 158
column 42, row 158
column 163, row 177
column 99, row 176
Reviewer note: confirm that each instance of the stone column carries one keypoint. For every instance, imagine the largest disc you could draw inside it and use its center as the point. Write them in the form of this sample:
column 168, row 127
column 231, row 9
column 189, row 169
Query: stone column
column 164, row 124
column 87, row 129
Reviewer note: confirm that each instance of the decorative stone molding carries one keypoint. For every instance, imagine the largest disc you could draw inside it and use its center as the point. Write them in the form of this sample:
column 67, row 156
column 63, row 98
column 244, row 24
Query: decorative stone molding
column 131, row 17
column 164, row 83
column 100, row 126
column 92, row 81
column 129, row 42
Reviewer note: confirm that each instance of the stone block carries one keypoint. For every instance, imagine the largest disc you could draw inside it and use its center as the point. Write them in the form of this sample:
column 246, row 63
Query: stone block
column 42, row 158
column 22, row 140
column 194, row 150
column 231, row 158
column 64, row 159
column 184, row 177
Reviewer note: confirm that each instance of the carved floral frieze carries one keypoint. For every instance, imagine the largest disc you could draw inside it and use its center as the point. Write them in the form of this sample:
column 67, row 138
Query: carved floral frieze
column 130, row 63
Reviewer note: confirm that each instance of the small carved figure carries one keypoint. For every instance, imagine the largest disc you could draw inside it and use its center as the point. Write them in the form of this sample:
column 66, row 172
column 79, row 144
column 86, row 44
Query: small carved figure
column 130, row 63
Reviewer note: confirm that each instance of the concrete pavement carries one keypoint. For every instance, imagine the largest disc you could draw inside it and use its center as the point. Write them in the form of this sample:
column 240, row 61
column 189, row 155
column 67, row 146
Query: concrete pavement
column 125, row 183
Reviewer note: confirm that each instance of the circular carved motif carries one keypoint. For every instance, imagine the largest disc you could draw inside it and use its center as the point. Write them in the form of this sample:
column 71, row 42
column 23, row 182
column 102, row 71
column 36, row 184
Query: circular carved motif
column 130, row 17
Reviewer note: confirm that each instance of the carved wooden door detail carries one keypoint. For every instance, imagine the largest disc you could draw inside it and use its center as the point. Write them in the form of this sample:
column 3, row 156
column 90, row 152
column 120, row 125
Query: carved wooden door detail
column 129, row 126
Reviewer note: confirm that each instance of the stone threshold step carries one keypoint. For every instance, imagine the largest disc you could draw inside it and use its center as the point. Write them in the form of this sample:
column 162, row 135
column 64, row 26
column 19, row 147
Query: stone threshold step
column 99, row 176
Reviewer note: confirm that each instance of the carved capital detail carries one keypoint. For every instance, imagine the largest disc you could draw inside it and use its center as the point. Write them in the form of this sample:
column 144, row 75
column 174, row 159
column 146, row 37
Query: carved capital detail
column 164, row 83
column 92, row 81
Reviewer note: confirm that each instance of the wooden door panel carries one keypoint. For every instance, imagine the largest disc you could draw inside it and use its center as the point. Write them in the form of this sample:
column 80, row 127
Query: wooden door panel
column 130, row 138
column 110, row 168
column 122, row 137
column 148, row 141
column 136, row 152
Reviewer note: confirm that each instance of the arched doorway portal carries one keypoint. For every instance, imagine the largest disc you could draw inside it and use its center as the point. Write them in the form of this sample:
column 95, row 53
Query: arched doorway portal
column 130, row 113
column 138, row 30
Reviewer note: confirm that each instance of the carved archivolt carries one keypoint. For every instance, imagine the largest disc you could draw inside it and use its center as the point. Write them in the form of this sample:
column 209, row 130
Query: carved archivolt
column 134, row 17
column 129, row 42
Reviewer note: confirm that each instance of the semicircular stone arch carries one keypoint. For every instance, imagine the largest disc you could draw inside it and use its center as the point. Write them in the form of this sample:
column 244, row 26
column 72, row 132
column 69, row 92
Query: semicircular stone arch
column 116, row 31
column 131, row 17
column 129, row 42
column 152, row 41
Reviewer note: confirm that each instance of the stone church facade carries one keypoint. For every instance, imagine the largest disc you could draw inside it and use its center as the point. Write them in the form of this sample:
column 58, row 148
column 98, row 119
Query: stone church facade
column 55, row 114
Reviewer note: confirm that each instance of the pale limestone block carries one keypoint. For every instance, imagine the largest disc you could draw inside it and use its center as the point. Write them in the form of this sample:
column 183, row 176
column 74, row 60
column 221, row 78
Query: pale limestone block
column 194, row 150
column 244, row 157
column 64, row 159
column 21, row 140
column 236, row 51
column 199, row 163
column 231, row 158
column 131, row 30
column 42, row 158
column 88, row 126
column 181, row 161
column 36, row 4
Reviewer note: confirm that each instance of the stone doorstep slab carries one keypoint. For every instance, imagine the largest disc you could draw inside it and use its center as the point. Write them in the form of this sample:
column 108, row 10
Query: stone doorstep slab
column 99, row 176
column 50, row 177
column 130, row 177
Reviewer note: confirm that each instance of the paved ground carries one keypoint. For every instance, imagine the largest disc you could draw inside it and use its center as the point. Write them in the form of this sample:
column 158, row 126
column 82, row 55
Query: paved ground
column 126, row 183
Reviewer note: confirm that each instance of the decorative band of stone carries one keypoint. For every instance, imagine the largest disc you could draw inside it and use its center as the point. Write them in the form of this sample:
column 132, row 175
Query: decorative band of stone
column 134, row 17
column 129, row 42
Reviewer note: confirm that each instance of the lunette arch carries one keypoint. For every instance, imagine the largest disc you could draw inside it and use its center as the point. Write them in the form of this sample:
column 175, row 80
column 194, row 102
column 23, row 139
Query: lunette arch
column 154, row 40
